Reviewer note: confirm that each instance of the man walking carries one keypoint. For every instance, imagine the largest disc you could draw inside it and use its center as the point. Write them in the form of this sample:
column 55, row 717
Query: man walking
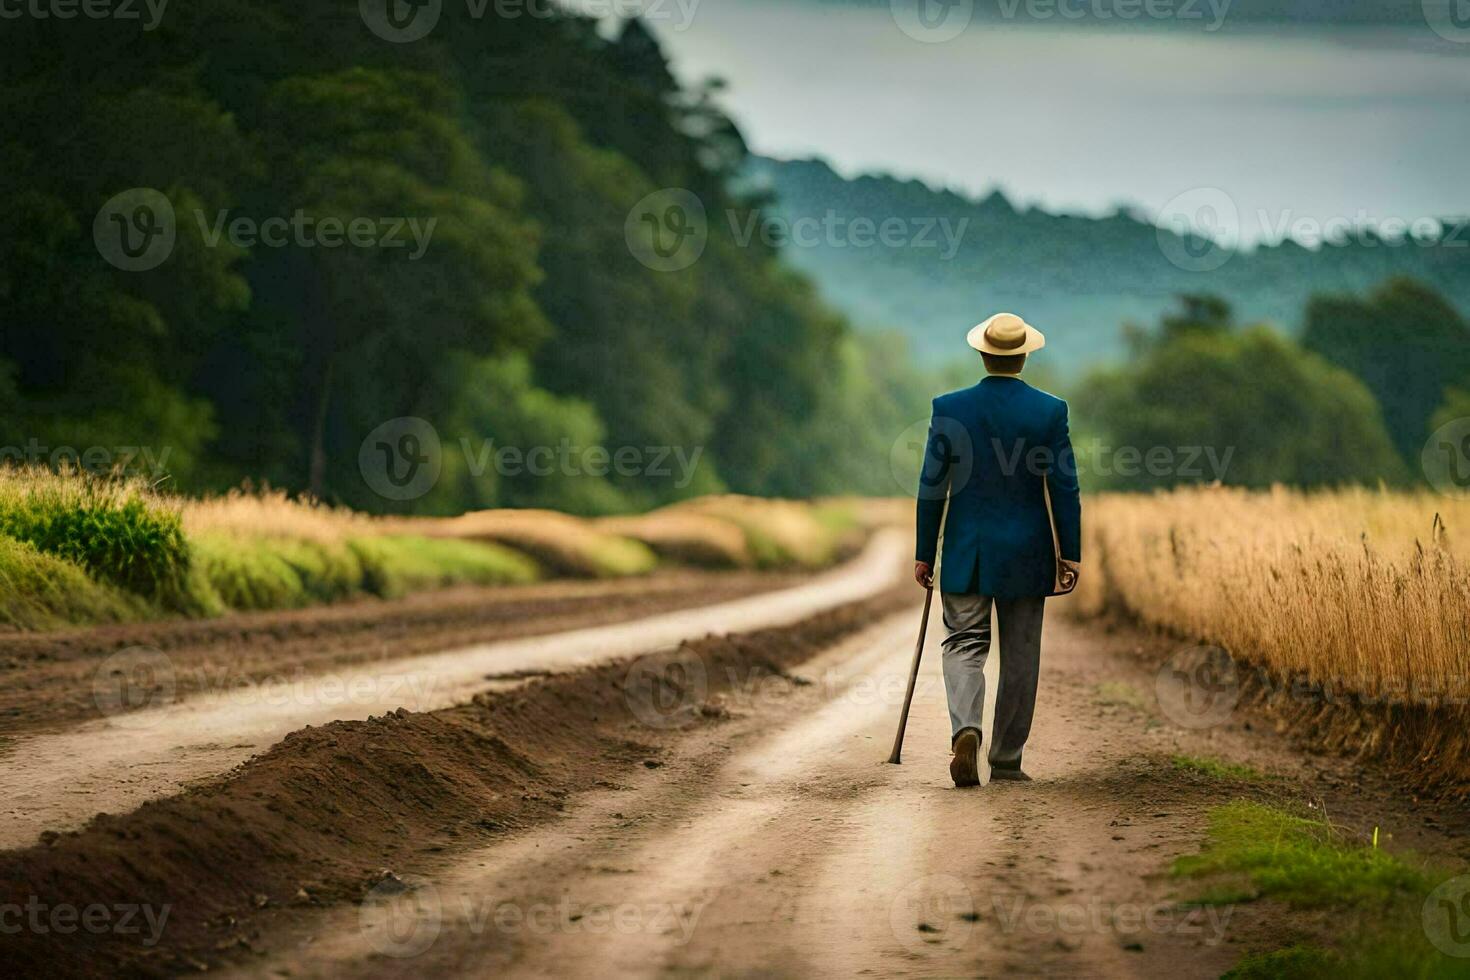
column 1000, row 456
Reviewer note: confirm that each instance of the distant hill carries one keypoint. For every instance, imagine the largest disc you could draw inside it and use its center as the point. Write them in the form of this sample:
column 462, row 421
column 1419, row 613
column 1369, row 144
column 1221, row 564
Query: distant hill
column 1081, row 278
column 1313, row 12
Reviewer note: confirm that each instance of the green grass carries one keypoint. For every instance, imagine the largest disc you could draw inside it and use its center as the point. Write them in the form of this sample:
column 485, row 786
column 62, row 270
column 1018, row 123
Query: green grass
column 288, row 573
column 253, row 573
column 117, row 530
column 1300, row 860
column 1120, row 694
column 1217, row 768
column 41, row 591
column 1377, row 897
column 1292, row 963
column 396, row 565
column 615, row 557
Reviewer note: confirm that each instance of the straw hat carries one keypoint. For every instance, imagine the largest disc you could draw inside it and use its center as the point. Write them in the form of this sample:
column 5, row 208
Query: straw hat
column 1005, row 333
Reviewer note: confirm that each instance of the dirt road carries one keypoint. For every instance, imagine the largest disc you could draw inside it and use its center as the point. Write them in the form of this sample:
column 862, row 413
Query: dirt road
column 775, row 842
column 57, row 780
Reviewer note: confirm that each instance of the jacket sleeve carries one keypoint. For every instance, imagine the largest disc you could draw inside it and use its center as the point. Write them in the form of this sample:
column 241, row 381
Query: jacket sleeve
column 1066, row 500
column 934, row 477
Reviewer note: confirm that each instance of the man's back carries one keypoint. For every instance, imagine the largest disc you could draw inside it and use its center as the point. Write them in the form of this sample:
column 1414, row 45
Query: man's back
column 1000, row 454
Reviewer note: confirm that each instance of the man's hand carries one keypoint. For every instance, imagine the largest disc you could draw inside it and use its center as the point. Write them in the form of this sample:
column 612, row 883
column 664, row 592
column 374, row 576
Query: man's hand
column 1067, row 574
column 924, row 574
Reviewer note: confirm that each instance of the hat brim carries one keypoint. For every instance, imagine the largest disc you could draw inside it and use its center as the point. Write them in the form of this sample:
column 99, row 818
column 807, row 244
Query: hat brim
column 1034, row 341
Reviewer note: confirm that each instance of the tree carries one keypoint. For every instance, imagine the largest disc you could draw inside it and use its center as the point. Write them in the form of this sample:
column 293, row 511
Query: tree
column 1248, row 400
column 1406, row 343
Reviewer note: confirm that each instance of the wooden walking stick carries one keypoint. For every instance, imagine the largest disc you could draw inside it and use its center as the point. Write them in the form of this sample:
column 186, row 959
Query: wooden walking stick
column 903, row 718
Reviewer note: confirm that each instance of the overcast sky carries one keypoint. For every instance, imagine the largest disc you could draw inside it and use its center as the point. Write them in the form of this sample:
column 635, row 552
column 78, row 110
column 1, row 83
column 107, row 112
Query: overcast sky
column 1298, row 125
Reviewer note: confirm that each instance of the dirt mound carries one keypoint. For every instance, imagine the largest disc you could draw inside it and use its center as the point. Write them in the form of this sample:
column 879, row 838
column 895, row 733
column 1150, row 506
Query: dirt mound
column 324, row 815
column 47, row 678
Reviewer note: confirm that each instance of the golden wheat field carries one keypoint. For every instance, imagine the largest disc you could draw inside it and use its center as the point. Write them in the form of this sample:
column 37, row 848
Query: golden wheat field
column 1368, row 591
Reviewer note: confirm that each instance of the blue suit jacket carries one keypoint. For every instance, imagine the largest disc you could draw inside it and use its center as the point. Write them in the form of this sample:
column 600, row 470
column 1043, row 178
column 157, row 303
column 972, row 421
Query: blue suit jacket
column 994, row 453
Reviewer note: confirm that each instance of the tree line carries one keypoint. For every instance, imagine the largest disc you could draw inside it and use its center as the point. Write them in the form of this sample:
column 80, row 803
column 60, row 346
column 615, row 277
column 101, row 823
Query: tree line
column 362, row 231
column 520, row 313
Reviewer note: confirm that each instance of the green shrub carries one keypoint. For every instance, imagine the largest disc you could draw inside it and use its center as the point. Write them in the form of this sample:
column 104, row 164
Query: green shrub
column 41, row 591
column 247, row 573
column 396, row 565
column 118, row 531
column 328, row 570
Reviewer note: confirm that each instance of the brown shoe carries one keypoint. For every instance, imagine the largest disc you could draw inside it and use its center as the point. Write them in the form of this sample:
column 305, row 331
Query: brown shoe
column 963, row 768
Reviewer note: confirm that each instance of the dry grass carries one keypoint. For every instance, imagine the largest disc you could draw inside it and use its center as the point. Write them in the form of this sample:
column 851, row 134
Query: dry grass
column 685, row 538
column 779, row 533
column 273, row 514
column 1363, row 590
column 562, row 544
column 79, row 549
column 1350, row 610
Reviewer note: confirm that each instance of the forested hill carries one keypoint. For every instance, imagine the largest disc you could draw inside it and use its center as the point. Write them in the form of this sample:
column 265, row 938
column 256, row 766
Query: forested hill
column 254, row 233
column 1193, row 12
column 1081, row 277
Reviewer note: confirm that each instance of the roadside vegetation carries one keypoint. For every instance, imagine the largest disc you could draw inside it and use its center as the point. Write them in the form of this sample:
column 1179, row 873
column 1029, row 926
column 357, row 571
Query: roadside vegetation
column 1353, row 599
column 1217, row 768
column 82, row 550
column 1257, row 852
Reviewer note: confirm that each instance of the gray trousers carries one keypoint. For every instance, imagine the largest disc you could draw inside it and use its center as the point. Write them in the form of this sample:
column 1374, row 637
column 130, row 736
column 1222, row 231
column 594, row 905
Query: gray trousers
column 966, row 646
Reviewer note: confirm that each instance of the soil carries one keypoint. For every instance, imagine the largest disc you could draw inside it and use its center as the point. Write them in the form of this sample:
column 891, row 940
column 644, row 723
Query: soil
column 321, row 817
column 773, row 840
column 46, row 679
column 155, row 741
column 722, row 808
